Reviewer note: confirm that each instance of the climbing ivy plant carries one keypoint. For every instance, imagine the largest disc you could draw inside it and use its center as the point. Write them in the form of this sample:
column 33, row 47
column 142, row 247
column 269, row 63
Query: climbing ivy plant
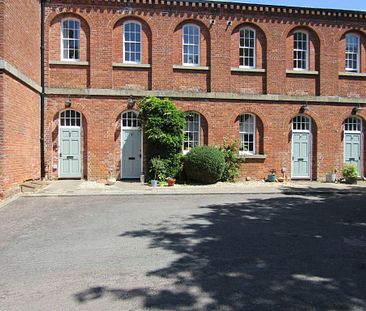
column 163, row 126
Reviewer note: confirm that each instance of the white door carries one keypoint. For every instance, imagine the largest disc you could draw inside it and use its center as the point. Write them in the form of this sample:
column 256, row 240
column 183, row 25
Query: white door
column 70, row 159
column 131, row 167
column 301, row 148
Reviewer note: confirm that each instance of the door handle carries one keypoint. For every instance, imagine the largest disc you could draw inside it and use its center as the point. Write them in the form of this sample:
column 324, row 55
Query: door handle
column 131, row 158
column 60, row 155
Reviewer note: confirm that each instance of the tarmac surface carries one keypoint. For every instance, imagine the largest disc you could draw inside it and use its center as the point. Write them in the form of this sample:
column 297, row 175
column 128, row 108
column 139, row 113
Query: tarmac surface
column 276, row 251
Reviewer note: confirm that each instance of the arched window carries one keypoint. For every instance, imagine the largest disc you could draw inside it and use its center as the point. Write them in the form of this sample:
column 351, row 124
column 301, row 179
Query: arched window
column 191, row 45
column 301, row 50
column 191, row 131
column 247, row 129
column 301, row 123
column 70, row 118
column 247, row 48
column 70, row 40
column 353, row 124
column 132, row 42
column 130, row 120
column 352, row 52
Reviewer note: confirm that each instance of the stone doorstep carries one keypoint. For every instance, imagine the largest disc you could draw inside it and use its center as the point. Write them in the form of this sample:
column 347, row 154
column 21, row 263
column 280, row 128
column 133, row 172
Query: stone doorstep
column 33, row 186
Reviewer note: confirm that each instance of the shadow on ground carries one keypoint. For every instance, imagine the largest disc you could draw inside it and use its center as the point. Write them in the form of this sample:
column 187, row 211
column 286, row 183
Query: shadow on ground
column 283, row 253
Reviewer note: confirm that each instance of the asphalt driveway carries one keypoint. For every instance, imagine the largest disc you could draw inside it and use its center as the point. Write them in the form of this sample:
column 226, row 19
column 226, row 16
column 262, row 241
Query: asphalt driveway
column 184, row 252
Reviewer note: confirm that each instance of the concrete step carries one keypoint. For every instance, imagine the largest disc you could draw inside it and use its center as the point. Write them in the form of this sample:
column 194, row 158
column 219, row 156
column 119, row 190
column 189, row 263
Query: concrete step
column 32, row 186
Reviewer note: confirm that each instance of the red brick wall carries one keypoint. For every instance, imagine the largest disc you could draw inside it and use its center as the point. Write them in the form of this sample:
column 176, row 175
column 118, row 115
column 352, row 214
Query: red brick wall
column 22, row 36
column 20, row 156
column 162, row 48
column 102, row 145
column 19, row 106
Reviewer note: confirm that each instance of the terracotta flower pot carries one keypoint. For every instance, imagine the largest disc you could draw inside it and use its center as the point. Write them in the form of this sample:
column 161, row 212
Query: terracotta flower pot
column 171, row 182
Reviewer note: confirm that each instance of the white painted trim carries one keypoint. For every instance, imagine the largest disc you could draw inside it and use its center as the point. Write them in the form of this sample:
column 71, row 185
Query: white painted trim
column 141, row 144
column 255, row 49
column 59, row 143
column 254, row 136
column 199, row 130
column 307, row 50
column 124, row 40
column 309, row 131
column 62, row 41
column 199, row 45
column 357, row 70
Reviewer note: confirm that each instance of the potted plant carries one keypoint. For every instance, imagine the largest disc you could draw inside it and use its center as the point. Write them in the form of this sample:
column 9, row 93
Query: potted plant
column 350, row 173
column 331, row 176
column 157, row 169
column 272, row 176
column 170, row 181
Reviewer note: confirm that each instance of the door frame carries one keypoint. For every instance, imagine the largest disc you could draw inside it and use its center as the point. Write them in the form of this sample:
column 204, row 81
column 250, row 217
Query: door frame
column 141, row 142
column 59, row 144
column 361, row 133
column 309, row 131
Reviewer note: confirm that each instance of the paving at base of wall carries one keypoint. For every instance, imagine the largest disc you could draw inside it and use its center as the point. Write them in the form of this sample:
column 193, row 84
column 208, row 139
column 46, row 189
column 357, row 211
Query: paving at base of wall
column 87, row 188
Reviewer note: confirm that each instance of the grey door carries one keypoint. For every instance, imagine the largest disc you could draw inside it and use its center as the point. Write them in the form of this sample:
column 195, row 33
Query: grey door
column 131, row 153
column 70, row 153
column 352, row 150
column 301, row 155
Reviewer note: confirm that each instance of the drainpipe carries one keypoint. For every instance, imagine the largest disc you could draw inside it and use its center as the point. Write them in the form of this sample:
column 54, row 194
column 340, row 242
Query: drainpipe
column 43, row 12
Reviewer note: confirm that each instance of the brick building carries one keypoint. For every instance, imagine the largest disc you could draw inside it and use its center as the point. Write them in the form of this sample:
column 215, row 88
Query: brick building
column 288, row 83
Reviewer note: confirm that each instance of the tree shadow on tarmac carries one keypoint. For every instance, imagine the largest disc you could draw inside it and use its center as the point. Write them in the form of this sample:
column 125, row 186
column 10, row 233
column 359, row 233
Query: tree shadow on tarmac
column 282, row 253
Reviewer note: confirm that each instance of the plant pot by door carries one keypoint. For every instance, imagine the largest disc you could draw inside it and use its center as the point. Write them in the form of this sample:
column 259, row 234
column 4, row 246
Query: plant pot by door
column 330, row 178
column 154, row 183
column 271, row 178
column 171, row 182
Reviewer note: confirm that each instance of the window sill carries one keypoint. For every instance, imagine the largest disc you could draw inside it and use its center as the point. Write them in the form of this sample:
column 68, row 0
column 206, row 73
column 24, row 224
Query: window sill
column 351, row 74
column 253, row 156
column 247, row 70
column 68, row 63
column 195, row 68
column 302, row 72
column 130, row 65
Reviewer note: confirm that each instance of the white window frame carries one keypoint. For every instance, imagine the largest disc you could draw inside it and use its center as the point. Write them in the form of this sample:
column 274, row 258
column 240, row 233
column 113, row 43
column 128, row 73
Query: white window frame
column 190, row 44
column 307, row 51
column 134, row 42
column 357, row 123
column 78, row 116
column 254, row 133
column 301, row 122
column 348, row 53
column 138, row 127
column 254, row 48
column 62, row 40
column 185, row 151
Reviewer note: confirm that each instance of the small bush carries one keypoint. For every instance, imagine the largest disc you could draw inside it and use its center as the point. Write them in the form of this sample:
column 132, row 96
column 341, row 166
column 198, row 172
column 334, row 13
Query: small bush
column 158, row 169
column 232, row 161
column 350, row 171
column 204, row 164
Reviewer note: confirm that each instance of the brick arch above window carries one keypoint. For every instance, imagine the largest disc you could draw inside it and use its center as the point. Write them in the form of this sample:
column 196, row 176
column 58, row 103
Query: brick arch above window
column 55, row 42
column 360, row 54
column 204, row 42
column 260, row 47
column 294, row 41
column 119, row 40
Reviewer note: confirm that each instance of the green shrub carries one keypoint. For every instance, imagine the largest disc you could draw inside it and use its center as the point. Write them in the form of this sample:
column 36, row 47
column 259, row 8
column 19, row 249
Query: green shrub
column 163, row 126
column 204, row 164
column 158, row 169
column 350, row 171
column 232, row 161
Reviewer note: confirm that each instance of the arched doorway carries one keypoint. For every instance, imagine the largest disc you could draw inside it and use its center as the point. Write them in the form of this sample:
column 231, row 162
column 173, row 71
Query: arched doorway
column 70, row 158
column 353, row 142
column 131, row 144
column 301, row 147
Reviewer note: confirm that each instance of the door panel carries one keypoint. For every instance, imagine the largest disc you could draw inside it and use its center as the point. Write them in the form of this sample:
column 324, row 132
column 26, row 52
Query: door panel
column 70, row 153
column 352, row 150
column 131, row 154
column 301, row 155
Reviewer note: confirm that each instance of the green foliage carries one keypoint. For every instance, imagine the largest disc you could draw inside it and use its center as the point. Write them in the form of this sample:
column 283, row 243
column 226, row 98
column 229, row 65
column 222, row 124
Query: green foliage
column 158, row 169
column 163, row 126
column 204, row 164
column 350, row 171
column 232, row 160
